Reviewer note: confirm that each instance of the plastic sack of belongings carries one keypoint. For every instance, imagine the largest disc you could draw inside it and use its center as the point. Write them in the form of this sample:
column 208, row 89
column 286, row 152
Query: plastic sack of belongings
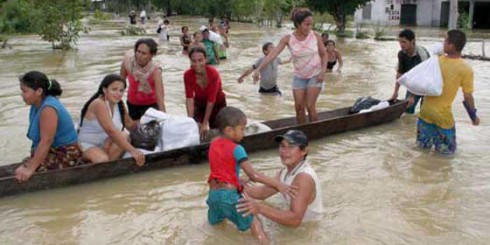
column 176, row 131
column 254, row 127
column 213, row 36
column 425, row 79
column 367, row 104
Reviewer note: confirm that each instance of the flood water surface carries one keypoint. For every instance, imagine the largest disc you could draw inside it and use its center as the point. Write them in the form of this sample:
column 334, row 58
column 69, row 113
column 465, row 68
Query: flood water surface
column 377, row 187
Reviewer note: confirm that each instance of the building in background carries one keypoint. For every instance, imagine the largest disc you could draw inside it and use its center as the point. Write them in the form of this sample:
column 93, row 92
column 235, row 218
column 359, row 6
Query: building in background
column 433, row 13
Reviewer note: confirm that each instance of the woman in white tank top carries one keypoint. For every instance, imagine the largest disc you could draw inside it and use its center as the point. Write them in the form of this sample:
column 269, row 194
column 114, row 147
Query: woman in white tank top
column 102, row 122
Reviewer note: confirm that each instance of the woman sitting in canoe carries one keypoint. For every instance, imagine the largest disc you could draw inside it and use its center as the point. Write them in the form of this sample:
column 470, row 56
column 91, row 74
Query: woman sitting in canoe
column 102, row 122
column 51, row 129
column 203, row 92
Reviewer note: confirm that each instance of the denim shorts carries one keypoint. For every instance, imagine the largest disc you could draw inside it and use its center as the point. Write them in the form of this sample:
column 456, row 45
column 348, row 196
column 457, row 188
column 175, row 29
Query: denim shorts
column 430, row 134
column 304, row 83
column 222, row 205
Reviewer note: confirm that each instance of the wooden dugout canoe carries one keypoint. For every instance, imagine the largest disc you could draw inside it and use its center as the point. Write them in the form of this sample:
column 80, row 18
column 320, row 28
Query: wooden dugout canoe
column 330, row 122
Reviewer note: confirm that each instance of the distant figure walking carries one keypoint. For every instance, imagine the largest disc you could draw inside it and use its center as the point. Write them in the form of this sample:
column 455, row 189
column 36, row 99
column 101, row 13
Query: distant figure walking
column 132, row 17
column 143, row 16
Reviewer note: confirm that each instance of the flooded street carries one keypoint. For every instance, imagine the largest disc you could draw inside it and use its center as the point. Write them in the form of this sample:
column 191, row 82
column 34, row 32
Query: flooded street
column 378, row 188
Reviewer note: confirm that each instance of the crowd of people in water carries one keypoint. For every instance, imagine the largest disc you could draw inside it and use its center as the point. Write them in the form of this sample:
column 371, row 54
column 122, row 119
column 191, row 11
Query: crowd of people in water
column 106, row 120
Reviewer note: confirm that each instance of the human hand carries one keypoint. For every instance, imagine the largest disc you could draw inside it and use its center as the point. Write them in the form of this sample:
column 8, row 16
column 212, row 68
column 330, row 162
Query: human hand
column 320, row 77
column 240, row 80
column 476, row 122
column 394, row 96
column 411, row 101
column 256, row 76
column 23, row 173
column 139, row 157
column 203, row 130
column 287, row 190
column 247, row 206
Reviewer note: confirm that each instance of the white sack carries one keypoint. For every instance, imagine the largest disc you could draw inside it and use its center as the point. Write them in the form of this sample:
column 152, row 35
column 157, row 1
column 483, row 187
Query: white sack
column 425, row 79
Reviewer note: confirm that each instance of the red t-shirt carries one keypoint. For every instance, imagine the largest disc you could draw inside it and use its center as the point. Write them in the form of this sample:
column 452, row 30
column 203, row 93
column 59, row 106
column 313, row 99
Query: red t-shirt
column 136, row 97
column 225, row 157
column 212, row 93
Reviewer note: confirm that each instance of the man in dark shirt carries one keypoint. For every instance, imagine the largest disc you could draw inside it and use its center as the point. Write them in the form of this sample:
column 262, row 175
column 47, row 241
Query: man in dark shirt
column 409, row 56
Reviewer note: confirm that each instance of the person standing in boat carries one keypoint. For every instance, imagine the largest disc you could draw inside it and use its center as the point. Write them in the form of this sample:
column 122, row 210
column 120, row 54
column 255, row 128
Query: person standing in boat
column 307, row 205
column 203, row 91
column 51, row 128
column 333, row 55
column 102, row 122
column 309, row 60
column 145, row 79
column 226, row 158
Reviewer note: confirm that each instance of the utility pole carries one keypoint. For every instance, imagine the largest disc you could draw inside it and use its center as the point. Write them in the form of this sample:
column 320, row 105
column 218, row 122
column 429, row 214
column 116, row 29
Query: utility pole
column 453, row 14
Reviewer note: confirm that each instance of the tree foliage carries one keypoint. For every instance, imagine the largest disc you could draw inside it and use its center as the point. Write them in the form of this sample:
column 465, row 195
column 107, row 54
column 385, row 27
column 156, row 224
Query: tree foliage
column 339, row 9
column 18, row 16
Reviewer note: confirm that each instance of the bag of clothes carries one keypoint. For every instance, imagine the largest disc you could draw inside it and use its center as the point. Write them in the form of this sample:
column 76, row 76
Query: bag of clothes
column 146, row 136
column 363, row 103
column 425, row 79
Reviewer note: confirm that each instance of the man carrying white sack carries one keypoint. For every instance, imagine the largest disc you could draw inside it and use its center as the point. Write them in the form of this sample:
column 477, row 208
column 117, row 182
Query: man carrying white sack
column 436, row 125
column 409, row 56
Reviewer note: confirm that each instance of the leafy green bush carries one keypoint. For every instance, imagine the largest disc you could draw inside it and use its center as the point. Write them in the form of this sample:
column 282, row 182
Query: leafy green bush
column 18, row 16
column 99, row 15
column 131, row 30
column 464, row 21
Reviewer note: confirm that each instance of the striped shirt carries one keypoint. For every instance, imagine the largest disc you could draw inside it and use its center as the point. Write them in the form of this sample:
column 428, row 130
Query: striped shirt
column 306, row 58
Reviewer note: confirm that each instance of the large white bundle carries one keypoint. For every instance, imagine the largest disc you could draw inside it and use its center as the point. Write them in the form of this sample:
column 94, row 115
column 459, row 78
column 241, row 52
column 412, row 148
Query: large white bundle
column 425, row 79
column 213, row 36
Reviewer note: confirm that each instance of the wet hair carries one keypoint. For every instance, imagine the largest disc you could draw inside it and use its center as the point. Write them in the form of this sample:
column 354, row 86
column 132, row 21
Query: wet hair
column 184, row 27
column 229, row 117
column 37, row 79
column 149, row 42
column 197, row 49
column 265, row 46
column 457, row 38
column 106, row 82
column 330, row 41
column 299, row 15
column 407, row 34
column 166, row 22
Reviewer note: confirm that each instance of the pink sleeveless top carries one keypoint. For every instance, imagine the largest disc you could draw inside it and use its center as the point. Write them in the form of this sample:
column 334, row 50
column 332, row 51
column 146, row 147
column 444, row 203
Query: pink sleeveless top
column 306, row 59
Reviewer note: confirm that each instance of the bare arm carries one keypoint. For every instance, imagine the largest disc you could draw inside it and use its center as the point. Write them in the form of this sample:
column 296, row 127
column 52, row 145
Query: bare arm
column 216, row 54
column 341, row 62
column 189, row 106
column 103, row 116
column 397, row 87
column 323, row 56
column 160, row 92
column 48, row 125
column 298, row 206
column 271, row 56
column 261, row 192
column 244, row 74
column 259, row 177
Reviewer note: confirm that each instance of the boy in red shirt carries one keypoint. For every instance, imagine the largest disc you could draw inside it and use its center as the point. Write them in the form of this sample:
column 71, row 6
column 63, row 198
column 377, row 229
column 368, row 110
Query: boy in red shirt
column 226, row 157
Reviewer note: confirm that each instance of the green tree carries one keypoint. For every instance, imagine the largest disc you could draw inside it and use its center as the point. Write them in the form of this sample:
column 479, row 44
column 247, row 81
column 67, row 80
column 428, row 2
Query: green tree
column 60, row 22
column 339, row 9
column 17, row 16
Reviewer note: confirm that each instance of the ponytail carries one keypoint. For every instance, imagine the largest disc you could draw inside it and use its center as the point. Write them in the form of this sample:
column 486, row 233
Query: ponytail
column 37, row 79
column 85, row 107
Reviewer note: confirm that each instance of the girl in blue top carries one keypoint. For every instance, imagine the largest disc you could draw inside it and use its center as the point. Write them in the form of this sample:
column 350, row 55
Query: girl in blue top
column 51, row 128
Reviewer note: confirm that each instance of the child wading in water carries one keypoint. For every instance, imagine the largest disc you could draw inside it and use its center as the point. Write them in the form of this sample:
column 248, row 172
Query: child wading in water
column 226, row 157
column 268, row 75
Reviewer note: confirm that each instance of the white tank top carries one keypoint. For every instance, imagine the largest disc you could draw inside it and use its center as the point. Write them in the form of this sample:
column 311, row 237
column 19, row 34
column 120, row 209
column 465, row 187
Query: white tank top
column 91, row 130
column 314, row 212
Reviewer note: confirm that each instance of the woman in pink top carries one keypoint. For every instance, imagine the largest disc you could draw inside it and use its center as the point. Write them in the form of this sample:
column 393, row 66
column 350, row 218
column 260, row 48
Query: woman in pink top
column 309, row 60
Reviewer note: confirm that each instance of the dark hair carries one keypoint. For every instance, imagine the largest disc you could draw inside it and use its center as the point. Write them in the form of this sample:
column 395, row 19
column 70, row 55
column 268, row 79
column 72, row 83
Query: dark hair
column 457, row 38
column 106, row 82
column 408, row 34
column 197, row 49
column 330, row 41
column 149, row 42
column 325, row 34
column 184, row 27
column 299, row 15
column 265, row 46
column 195, row 34
column 37, row 79
column 229, row 117
column 166, row 22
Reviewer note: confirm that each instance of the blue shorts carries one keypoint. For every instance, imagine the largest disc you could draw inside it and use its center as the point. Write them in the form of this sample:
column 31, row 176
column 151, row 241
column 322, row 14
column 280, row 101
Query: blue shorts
column 222, row 205
column 304, row 83
column 430, row 134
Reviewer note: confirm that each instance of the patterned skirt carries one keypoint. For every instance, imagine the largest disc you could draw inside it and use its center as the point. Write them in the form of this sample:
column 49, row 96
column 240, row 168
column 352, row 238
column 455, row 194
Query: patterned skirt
column 61, row 157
